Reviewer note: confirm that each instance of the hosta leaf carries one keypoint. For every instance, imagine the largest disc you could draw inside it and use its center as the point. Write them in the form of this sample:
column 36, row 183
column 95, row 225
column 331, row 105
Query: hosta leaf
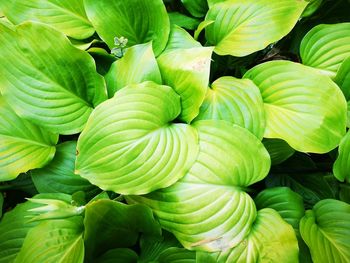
column 180, row 39
column 237, row 101
column 129, row 145
column 298, row 107
column 1, row 203
column 182, row 20
column 343, row 78
column 325, row 47
column 326, row 231
column 187, row 72
column 287, row 203
column 109, row 224
column 58, row 176
column 118, row 255
column 50, row 83
column 341, row 167
column 270, row 240
column 54, row 241
column 177, row 255
column 23, row 145
column 238, row 24
column 197, row 8
column 312, row 7
column 140, row 21
column 137, row 65
column 67, row 16
column 208, row 209
column 278, row 149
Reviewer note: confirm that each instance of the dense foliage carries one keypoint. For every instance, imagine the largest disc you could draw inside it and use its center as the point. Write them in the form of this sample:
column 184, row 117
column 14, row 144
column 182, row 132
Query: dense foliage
column 174, row 131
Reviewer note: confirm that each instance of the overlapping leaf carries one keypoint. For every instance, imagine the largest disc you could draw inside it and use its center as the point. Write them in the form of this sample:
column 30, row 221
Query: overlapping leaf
column 343, row 78
column 23, row 145
column 237, row 101
column 298, row 106
column 238, row 25
column 118, row 255
column 325, row 47
column 129, row 144
column 177, row 255
column 179, row 38
column 208, row 209
column 197, row 8
column 278, row 149
column 341, row 167
column 49, row 82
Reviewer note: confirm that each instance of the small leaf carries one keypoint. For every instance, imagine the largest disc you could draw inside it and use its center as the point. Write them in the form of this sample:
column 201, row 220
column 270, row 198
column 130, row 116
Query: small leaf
column 238, row 24
column 140, row 21
column 341, row 166
column 312, row 7
column 183, row 21
column 298, row 107
column 180, row 39
column 23, row 145
column 177, row 255
column 201, row 26
column 118, row 255
column 137, row 65
column 197, row 8
column 325, row 47
column 278, row 149
column 343, row 78
column 326, row 231
column 1, row 203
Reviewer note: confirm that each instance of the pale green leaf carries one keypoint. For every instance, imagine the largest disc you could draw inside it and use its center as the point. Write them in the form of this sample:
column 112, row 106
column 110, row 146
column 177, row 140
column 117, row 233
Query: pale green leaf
column 67, row 16
column 325, row 47
column 137, row 65
column 129, row 144
column 341, row 167
column 201, row 26
column 187, row 72
column 177, row 255
column 208, row 209
column 237, row 101
column 244, row 27
column 118, row 255
column 179, row 38
column 270, row 240
column 23, row 145
column 343, row 78
column 140, row 21
column 109, row 224
column 58, row 176
column 287, row 203
column 54, row 241
column 49, row 82
column 278, row 149
column 326, row 231
column 298, row 106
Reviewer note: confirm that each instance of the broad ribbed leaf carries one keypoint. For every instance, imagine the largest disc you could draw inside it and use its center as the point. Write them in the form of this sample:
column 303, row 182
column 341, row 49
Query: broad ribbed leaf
column 23, row 145
column 270, row 240
column 137, row 65
column 177, row 255
column 343, row 78
column 341, row 167
column 187, row 72
column 139, row 21
column 179, row 38
column 209, row 209
column 109, row 224
column 197, row 8
column 326, row 231
column 237, row 101
column 118, row 255
column 67, row 16
column 54, row 241
column 183, row 20
column 244, row 27
column 287, row 203
column 278, row 149
column 325, row 47
column 49, row 82
column 298, row 106
column 129, row 144
column 58, row 176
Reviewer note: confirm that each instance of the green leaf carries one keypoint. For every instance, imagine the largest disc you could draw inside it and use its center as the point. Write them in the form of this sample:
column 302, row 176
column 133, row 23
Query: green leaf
column 344, row 193
column 278, row 149
column 270, row 240
column 180, row 39
column 237, row 101
column 287, row 203
column 325, row 47
column 23, row 145
column 343, row 78
column 1, row 203
column 50, row 83
column 137, row 65
column 238, row 24
column 54, row 241
column 118, row 255
column 298, row 107
column 201, row 26
column 129, row 145
column 341, row 166
column 326, row 231
column 59, row 177
column 177, row 255
column 187, row 72
column 197, row 8
column 109, row 224
column 208, row 209
column 312, row 7
column 67, row 16
column 13, row 228
column 182, row 20
column 140, row 21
